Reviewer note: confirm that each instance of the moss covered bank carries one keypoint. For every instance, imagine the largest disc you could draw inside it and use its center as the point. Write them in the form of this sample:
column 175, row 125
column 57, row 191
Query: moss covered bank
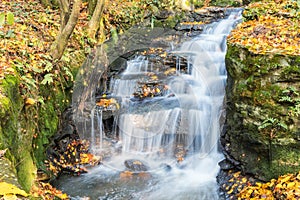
column 263, row 126
column 27, row 126
column 263, row 92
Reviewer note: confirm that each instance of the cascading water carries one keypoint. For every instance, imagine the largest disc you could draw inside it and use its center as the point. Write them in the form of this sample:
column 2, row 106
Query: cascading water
column 184, row 118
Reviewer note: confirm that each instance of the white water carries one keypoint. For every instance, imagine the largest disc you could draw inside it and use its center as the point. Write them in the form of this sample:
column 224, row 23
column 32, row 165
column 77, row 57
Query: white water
column 194, row 124
column 149, row 129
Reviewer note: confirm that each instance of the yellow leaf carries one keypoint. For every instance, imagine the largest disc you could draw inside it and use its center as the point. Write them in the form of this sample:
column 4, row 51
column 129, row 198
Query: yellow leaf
column 10, row 197
column 258, row 184
column 278, row 186
column 285, row 178
column 137, row 162
column 154, row 77
column 298, row 176
column 230, row 191
column 29, row 101
column 249, row 192
column 231, row 180
column 6, row 188
column 291, row 184
column 63, row 196
column 244, row 180
column 236, row 174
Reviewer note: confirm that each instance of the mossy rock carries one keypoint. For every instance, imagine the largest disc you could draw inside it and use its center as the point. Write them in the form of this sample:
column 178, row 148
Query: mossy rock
column 25, row 130
column 255, row 92
column 26, row 171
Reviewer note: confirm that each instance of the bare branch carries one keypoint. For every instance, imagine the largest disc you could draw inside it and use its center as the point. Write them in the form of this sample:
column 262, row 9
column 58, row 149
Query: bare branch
column 94, row 23
column 64, row 13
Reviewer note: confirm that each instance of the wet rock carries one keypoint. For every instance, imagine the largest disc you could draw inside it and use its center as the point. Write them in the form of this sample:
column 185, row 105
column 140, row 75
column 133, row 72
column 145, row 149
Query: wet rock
column 67, row 132
column 190, row 26
column 106, row 103
column 165, row 167
column 198, row 27
column 180, row 153
column 118, row 65
column 183, row 27
column 215, row 9
column 135, row 165
column 226, row 165
column 163, row 14
column 182, row 164
column 126, row 174
column 7, row 173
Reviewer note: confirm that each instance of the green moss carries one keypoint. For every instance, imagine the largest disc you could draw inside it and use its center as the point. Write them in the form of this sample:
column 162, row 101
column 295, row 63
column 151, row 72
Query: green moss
column 48, row 125
column 285, row 160
column 291, row 72
column 26, row 171
column 4, row 105
column 13, row 134
column 157, row 23
column 171, row 22
column 195, row 3
column 254, row 91
column 223, row 3
column 10, row 107
column 20, row 124
column 48, row 121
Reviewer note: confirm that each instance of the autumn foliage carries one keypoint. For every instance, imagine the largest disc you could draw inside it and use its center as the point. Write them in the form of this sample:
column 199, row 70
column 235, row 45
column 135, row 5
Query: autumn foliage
column 71, row 159
column 47, row 192
column 286, row 187
column 270, row 27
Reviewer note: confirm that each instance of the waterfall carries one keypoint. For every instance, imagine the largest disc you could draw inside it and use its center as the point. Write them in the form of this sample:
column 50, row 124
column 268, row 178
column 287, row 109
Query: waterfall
column 150, row 128
column 185, row 117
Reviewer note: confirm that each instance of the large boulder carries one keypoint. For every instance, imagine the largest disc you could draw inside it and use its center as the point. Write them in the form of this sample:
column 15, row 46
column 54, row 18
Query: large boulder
column 262, row 131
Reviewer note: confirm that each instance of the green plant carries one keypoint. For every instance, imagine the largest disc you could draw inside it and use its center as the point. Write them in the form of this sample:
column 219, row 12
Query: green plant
column 270, row 127
column 292, row 97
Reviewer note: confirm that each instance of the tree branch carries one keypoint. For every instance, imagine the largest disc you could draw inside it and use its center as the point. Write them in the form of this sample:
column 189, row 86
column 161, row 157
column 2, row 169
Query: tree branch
column 94, row 23
column 61, row 41
column 64, row 6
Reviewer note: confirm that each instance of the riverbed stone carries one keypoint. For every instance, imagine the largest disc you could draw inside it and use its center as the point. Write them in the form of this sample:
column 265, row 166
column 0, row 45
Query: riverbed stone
column 135, row 165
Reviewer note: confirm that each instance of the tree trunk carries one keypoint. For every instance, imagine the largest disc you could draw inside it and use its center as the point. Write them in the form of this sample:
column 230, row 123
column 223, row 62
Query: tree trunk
column 45, row 3
column 67, row 26
column 94, row 23
column 91, row 6
column 50, row 3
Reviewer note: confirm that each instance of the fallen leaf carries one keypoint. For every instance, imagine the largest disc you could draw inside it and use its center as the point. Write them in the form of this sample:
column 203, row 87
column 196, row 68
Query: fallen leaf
column 7, row 188
column 29, row 101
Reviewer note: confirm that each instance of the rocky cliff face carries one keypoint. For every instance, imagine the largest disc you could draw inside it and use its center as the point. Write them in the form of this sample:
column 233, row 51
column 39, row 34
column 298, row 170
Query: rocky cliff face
column 262, row 131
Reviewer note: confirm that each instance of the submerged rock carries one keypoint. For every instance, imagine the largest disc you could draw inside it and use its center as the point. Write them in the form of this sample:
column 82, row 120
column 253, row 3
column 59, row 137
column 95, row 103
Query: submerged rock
column 135, row 165
column 166, row 167
column 180, row 152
